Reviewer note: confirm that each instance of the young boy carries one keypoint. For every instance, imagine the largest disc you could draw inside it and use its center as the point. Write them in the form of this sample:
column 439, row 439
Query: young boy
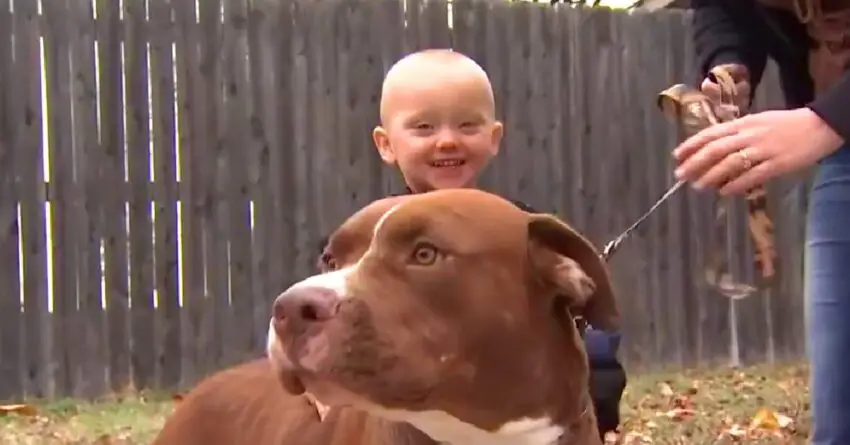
column 438, row 125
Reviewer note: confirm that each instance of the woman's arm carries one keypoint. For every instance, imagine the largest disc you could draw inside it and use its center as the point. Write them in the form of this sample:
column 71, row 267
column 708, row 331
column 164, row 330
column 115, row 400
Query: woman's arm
column 833, row 107
column 722, row 34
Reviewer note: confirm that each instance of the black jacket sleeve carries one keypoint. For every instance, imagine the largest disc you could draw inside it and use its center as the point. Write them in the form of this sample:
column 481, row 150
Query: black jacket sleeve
column 721, row 35
column 833, row 107
column 732, row 31
column 524, row 207
column 323, row 242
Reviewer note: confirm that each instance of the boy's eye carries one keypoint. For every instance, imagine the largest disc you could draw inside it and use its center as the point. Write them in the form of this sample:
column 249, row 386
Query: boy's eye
column 422, row 126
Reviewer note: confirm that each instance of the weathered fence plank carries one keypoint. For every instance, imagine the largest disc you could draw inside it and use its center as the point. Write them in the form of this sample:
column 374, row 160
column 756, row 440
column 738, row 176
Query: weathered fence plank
column 676, row 232
column 191, row 178
column 321, row 60
column 116, row 281
column 269, row 123
column 498, row 55
column 281, row 188
column 657, row 180
column 189, row 108
column 363, row 111
column 137, row 121
column 434, row 29
column 204, row 169
column 89, row 217
column 218, row 267
column 164, row 133
column 11, row 340
column 243, row 340
column 517, row 102
column 29, row 155
column 365, row 94
column 302, row 103
column 262, row 63
column 61, row 174
column 635, row 269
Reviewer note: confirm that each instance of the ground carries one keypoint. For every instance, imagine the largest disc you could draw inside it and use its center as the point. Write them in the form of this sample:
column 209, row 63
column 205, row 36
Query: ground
column 765, row 405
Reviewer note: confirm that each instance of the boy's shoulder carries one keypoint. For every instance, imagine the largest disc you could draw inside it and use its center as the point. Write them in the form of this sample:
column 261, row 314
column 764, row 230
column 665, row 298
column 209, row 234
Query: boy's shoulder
column 523, row 206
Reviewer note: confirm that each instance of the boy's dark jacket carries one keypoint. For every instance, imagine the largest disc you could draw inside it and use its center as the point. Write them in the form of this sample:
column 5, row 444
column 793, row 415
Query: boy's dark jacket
column 607, row 375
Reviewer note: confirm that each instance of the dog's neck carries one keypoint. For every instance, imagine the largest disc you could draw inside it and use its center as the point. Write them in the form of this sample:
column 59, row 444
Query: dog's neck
column 442, row 428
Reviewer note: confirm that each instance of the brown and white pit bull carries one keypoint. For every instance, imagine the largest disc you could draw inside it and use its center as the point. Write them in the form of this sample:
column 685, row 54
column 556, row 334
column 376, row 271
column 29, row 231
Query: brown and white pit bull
column 441, row 318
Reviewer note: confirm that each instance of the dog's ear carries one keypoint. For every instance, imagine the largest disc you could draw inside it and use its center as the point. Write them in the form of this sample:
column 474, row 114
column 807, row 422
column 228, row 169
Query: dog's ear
column 573, row 265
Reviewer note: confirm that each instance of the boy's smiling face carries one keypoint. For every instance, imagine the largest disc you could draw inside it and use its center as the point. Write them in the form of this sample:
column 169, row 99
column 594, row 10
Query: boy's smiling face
column 438, row 121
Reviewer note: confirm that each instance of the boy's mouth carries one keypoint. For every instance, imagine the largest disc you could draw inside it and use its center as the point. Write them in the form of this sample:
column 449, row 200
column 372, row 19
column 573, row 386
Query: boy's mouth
column 448, row 163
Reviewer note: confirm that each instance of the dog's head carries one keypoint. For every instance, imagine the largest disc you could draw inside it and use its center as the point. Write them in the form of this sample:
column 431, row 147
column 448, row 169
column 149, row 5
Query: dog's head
column 452, row 301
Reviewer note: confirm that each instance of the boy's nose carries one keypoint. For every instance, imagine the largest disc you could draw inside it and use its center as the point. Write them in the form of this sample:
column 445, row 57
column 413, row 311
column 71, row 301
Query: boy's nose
column 447, row 141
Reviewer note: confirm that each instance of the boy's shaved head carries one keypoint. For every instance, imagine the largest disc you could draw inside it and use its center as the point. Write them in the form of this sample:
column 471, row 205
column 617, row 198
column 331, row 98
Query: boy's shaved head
column 438, row 120
column 432, row 65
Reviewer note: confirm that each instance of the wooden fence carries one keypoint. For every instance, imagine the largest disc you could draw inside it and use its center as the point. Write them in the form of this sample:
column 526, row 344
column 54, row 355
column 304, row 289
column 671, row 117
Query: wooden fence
column 164, row 175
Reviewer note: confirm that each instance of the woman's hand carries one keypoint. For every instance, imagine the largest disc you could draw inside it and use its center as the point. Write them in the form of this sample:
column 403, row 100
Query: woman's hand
column 744, row 153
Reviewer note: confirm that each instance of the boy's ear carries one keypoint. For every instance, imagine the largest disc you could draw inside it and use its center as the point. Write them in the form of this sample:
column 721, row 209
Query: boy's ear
column 382, row 143
column 496, row 137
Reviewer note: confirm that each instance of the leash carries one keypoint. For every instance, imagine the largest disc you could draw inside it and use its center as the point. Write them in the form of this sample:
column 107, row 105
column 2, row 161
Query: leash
column 614, row 244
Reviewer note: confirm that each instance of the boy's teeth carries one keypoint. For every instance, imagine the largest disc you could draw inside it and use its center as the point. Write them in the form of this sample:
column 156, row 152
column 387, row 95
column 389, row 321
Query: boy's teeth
column 448, row 163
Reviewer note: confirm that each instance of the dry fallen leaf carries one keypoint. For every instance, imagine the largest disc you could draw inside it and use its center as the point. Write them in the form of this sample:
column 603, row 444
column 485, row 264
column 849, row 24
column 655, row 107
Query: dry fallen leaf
column 666, row 390
column 767, row 419
column 736, row 432
column 764, row 419
column 635, row 438
column 20, row 409
column 612, row 438
column 104, row 439
column 679, row 414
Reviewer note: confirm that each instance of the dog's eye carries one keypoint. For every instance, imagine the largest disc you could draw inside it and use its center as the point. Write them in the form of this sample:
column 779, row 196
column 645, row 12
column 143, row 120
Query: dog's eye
column 424, row 254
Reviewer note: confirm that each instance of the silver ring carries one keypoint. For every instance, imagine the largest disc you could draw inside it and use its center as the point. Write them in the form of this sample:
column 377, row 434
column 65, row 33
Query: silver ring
column 745, row 158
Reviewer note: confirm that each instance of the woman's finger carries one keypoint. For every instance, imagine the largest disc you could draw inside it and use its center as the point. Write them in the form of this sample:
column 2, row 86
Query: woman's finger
column 753, row 177
column 724, row 171
column 710, row 154
column 696, row 142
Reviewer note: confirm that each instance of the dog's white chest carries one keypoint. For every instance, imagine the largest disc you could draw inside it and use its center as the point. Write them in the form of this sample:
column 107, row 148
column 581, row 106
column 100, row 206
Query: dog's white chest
column 449, row 430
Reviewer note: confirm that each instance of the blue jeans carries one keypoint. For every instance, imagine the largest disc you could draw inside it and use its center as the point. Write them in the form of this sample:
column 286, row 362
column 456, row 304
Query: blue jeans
column 828, row 299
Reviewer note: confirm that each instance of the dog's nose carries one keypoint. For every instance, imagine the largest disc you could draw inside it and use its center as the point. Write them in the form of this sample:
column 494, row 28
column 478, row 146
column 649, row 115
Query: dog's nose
column 307, row 303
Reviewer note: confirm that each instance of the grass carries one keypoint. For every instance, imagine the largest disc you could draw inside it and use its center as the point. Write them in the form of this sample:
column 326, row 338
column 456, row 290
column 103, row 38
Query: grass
column 691, row 407
column 760, row 405
column 110, row 421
